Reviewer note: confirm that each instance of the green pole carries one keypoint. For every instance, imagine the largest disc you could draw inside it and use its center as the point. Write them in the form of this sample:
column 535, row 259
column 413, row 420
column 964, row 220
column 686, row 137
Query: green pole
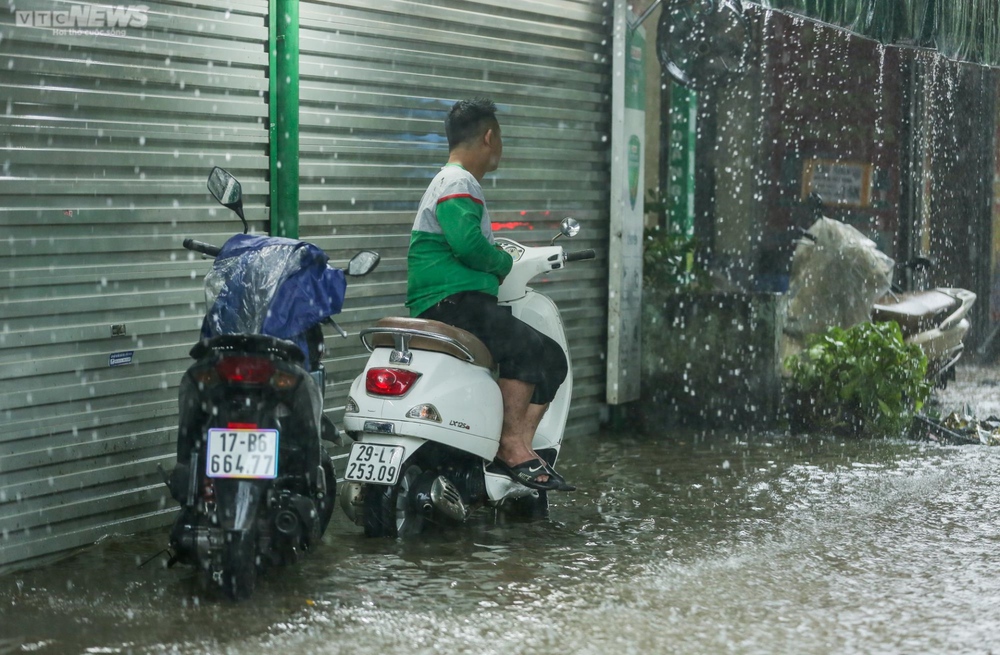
column 284, row 116
column 681, row 157
column 272, row 110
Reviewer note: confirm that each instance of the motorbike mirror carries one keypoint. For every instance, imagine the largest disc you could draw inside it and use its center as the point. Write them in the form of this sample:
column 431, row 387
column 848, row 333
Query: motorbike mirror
column 569, row 227
column 227, row 190
column 363, row 263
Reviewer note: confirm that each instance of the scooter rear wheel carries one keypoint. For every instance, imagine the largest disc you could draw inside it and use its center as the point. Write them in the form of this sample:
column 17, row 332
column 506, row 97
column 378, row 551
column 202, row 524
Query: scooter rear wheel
column 390, row 511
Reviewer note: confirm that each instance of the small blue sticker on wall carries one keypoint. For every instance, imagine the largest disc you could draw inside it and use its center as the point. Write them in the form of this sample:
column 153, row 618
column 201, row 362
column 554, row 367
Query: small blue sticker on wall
column 121, row 359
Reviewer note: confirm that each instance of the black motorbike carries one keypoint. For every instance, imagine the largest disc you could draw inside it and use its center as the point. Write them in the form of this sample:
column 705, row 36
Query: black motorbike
column 254, row 482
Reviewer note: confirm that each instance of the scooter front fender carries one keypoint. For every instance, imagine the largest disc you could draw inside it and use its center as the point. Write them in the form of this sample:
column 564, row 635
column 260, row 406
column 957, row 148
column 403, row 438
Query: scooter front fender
column 238, row 501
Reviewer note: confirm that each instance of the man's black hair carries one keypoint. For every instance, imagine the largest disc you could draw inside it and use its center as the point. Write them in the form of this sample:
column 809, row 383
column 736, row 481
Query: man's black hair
column 468, row 119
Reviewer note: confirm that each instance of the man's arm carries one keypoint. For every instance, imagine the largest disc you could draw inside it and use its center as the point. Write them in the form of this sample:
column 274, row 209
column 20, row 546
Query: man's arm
column 460, row 220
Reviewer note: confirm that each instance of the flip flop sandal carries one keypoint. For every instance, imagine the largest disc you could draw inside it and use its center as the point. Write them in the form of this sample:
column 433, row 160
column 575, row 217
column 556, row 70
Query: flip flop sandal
column 554, row 475
column 527, row 473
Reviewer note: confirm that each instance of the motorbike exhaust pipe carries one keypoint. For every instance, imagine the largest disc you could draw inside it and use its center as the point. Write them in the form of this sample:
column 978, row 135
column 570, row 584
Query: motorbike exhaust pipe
column 420, row 495
column 446, row 498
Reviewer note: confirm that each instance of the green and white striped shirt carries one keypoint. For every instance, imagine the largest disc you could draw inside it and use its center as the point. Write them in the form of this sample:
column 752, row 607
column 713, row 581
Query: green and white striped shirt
column 451, row 245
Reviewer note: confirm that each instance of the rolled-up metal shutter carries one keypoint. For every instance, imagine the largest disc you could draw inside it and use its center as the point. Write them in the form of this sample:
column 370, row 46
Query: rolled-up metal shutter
column 108, row 133
column 377, row 79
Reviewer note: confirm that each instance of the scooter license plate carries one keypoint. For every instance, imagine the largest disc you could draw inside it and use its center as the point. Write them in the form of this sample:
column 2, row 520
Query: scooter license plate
column 242, row 453
column 374, row 464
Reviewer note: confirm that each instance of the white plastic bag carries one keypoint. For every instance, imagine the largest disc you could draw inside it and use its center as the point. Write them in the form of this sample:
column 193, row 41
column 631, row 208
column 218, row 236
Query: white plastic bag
column 835, row 280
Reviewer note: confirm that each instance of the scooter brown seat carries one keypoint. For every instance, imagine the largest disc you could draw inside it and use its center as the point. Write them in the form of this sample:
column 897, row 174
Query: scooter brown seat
column 918, row 312
column 421, row 334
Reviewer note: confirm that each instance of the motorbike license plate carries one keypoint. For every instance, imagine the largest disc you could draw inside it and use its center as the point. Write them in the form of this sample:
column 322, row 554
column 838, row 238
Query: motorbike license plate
column 374, row 464
column 242, row 453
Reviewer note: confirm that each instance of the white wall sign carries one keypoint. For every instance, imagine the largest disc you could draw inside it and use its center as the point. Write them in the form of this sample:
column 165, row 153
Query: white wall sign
column 628, row 137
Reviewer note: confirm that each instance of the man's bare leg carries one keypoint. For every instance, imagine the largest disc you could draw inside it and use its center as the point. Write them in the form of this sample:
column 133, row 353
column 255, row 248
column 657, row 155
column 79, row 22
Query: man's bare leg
column 520, row 418
column 532, row 417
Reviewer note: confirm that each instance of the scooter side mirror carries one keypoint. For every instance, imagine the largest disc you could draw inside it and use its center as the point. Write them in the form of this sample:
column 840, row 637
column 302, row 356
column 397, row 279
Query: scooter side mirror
column 227, row 190
column 363, row 263
column 569, row 227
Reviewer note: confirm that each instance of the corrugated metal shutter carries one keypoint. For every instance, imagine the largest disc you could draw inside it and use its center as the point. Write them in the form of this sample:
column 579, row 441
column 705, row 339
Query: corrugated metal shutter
column 106, row 143
column 377, row 79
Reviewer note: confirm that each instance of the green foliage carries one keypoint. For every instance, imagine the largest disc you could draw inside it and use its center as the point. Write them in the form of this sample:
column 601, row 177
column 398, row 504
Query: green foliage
column 666, row 261
column 668, row 258
column 864, row 380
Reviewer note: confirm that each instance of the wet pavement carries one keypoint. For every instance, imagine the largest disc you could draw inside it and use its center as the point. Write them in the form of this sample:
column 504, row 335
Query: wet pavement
column 675, row 543
column 977, row 387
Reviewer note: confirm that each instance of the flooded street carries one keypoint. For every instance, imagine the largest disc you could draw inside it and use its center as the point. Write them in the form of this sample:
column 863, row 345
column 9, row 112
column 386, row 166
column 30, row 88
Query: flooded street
column 679, row 543
column 654, row 186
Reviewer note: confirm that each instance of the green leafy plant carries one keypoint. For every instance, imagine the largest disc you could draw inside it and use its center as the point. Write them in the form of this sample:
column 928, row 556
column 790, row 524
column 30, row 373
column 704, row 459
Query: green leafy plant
column 864, row 380
column 666, row 261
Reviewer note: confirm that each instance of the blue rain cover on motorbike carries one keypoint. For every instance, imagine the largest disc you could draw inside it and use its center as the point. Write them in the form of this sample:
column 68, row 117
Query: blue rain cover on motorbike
column 272, row 286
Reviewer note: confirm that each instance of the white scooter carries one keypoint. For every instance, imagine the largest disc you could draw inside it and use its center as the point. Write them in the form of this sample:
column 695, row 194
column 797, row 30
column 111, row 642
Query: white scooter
column 426, row 412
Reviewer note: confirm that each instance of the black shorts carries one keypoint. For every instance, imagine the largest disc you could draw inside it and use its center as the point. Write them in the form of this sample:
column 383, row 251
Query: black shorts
column 520, row 351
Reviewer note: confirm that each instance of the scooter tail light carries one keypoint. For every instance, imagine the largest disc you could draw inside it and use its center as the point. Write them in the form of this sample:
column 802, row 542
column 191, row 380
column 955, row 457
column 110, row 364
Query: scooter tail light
column 389, row 381
column 245, row 370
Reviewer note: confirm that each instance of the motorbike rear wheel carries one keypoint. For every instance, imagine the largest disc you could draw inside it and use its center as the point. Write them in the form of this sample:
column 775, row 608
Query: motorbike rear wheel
column 390, row 511
column 239, row 564
column 327, row 504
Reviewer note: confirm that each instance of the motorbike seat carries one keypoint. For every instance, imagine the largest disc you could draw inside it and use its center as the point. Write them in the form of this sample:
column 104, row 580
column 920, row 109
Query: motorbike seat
column 430, row 335
column 916, row 312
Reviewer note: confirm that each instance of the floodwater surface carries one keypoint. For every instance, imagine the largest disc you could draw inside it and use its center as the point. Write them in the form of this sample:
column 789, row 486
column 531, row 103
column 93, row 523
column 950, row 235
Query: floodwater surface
column 678, row 542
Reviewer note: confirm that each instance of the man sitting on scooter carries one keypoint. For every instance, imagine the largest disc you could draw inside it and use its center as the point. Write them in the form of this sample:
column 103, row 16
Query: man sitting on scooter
column 454, row 277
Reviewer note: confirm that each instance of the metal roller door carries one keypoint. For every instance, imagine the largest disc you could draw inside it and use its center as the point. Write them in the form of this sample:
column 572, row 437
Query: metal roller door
column 107, row 135
column 377, row 79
